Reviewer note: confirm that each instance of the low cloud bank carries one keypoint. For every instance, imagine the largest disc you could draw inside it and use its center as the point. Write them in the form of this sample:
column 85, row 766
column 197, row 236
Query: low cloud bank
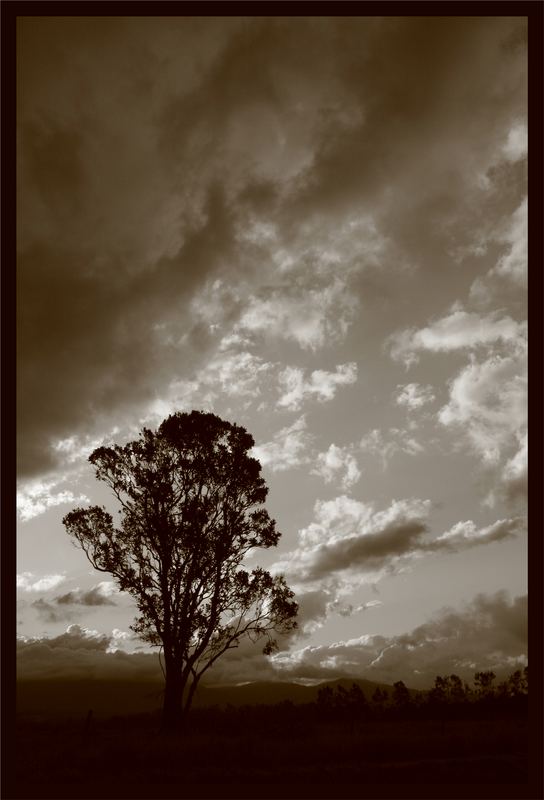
column 488, row 633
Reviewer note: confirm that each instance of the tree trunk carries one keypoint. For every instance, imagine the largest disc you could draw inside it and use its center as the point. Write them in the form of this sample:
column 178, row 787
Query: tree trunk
column 189, row 698
column 173, row 697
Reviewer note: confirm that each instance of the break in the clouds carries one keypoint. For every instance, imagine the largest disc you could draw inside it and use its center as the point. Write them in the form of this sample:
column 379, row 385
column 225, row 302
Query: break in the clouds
column 315, row 228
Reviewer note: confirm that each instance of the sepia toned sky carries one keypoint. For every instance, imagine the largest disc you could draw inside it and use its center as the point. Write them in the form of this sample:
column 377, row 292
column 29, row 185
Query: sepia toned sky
column 313, row 227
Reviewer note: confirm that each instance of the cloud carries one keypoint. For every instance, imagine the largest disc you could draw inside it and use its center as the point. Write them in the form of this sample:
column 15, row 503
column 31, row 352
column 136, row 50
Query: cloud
column 514, row 473
column 51, row 613
column 99, row 595
column 487, row 406
column 321, row 384
column 83, row 653
column 350, row 544
column 36, row 497
column 337, row 463
column 516, row 146
column 459, row 330
column 388, row 444
column 287, row 450
column 488, row 633
column 513, row 263
column 311, row 317
column 414, row 395
column 239, row 139
column 466, row 534
column 29, row 582
column 349, row 538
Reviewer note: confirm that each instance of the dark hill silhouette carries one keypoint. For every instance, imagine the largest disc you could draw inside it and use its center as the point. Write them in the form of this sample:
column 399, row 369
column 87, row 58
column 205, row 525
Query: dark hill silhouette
column 110, row 697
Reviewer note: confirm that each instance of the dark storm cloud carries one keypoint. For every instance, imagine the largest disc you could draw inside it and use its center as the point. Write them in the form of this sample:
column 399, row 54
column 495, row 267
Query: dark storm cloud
column 436, row 96
column 95, row 333
column 93, row 597
column 146, row 146
column 349, row 541
column 370, row 550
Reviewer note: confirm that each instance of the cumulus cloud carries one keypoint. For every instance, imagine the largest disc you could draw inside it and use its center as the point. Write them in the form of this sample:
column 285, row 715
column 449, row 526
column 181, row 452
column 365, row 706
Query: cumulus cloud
column 30, row 582
column 288, row 448
column 488, row 405
column 414, row 395
column 37, row 496
column 488, row 633
column 321, row 384
column 459, row 330
column 337, row 463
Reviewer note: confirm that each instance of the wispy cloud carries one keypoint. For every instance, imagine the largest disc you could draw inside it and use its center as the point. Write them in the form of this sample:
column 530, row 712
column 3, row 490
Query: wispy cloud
column 386, row 444
column 310, row 317
column 457, row 331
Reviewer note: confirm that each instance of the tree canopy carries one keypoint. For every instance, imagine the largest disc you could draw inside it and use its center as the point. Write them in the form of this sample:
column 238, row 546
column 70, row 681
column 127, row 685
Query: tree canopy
column 191, row 508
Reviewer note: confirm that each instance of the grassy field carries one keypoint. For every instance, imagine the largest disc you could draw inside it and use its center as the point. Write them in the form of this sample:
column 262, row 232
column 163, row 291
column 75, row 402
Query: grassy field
column 127, row 756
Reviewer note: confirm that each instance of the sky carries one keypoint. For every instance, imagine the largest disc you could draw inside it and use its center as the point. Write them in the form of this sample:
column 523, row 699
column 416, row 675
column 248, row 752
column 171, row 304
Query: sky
column 315, row 228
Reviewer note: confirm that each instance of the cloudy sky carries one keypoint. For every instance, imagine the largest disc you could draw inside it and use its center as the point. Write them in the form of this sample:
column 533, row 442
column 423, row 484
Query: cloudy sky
column 316, row 228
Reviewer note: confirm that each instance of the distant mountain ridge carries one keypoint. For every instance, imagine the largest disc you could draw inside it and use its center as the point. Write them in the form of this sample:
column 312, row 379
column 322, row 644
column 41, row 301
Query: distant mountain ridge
column 109, row 698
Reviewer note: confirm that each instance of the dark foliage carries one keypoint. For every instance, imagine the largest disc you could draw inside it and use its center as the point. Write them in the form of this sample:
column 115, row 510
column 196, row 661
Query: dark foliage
column 449, row 697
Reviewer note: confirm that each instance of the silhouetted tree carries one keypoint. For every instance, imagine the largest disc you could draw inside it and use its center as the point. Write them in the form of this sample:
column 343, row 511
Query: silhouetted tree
column 379, row 699
column 447, row 690
column 191, row 502
column 401, row 696
column 357, row 699
column 483, row 681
